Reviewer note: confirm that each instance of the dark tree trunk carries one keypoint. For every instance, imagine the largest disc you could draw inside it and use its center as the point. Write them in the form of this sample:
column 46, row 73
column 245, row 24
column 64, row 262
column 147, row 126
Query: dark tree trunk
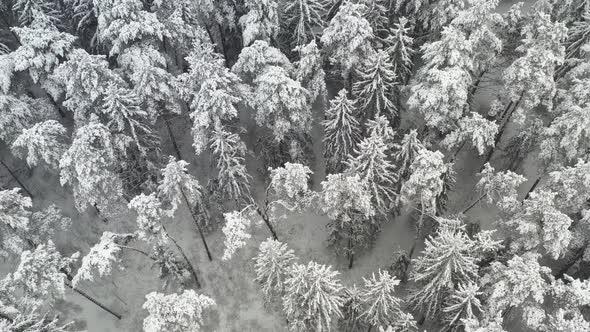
column 508, row 115
column 458, row 151
column 174, row 144
column 89, row 298
column 350, row 251
column 22, row 185
column 188, row 262
column 264, row 217
column 532, row 188
column 196, row 219
column 99, row 214
column 473, row 204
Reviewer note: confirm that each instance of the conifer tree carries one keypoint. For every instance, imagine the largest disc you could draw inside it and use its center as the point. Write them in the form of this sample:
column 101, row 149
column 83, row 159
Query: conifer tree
column 272, row 266
column 342, row 131
column 233, row 180
column 261, row 21
column 476, row 130
column 347, row 202
column 42, row 46
column 89, row 167
column 27, row 10
column 187, row 311
column 302, row 19
column 43, row 142
column 409, row 149
column 449, row 259
column 463, row 304
column 177, row 186
column 280, row 103
column 372, row 162
column 347, row 38
column 376, row 85
column 41, row 275
column 309, row 70
column 14, row 221
column 380, row 305
column 400, row 49
column 499, row 188
column 313, row 297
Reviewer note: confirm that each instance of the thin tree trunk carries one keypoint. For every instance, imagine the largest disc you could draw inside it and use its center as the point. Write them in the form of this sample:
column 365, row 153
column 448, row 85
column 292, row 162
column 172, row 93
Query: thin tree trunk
column 223, row 48
column 264, row 217
column 370, row 327
column 473, row 204
column 350, row 252
column 137, row 250
column 88, row 297
column 532, row 188
column 174, row 144
column 188, row 262
column 501, row 131
column 458, row 150
column 198, row 224
column 104, row 219
column 22, row 185
column 418, row 229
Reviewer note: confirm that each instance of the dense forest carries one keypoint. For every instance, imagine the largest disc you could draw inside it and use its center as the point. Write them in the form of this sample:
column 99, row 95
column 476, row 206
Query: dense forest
column 299, row 165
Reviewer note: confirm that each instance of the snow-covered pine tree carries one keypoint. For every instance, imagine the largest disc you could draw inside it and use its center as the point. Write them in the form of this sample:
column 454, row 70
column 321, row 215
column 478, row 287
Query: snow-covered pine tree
column 520, row 284
column 27, row 11
column 261, row 22
column 14, row 221
column 440, row 92
column 313, row 297
column 236, row 233
column 177, row 186
column 400, row 49
column 409, row 148
column 572, row 187
column 281, row 103
column 151, row 229
column 372, row 162
column 44, row 224
column 529, row 80
column 212, row 92
column 18, row 114
column 309, row 70
column 41, row 275
column 272, row 266
column 43, row 142
column 83, row 16
column 380, row 306
column 32, row 321
column 463, row 304
column 342, row 131
column 232, row 183
column 100, row 260
column 477, row 130
column 448, row 259
column 565, row 138
column 539, row 225
column 89, row 166
column 121, row 23
column 347, row 38
column 187, row 311
column 42, row 46
column 302, row 20
column 375, row 86
column 425, row 183
column 254, row 59
column 347, row 202
column 499, row 188
column 83, row 80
